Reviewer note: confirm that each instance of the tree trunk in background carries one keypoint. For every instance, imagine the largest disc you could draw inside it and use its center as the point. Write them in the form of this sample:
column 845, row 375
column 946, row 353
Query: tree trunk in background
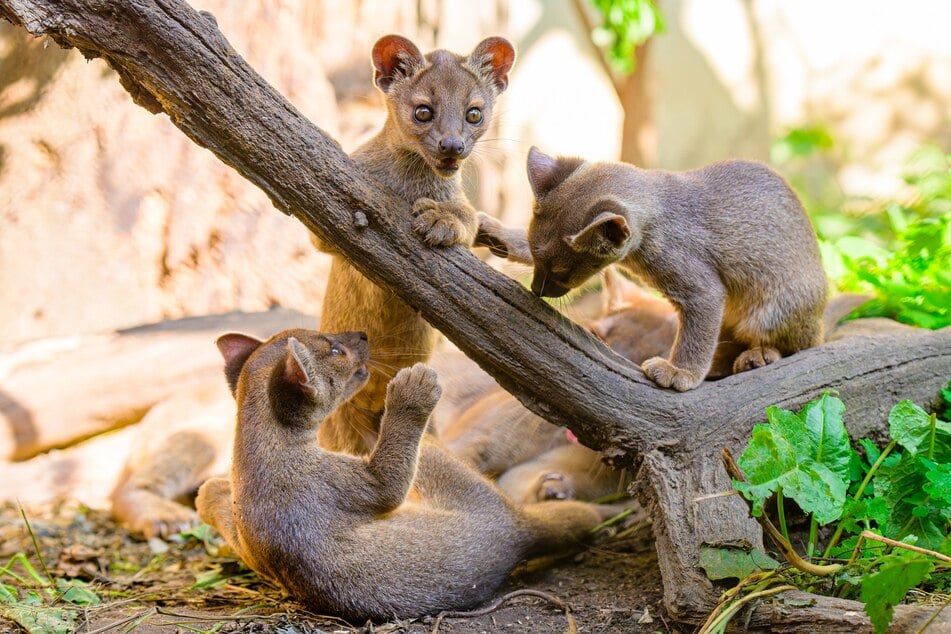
column 175, row 60
column 638, row 139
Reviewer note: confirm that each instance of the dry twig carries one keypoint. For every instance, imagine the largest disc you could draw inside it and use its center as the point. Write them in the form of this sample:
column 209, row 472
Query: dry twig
column 495, row 605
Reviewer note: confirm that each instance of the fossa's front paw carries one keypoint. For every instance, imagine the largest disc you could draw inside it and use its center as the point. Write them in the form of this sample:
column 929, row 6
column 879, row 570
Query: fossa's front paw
column 213, row 495
column 555, row 486
column 437, row 226
column 414, row 391
column 152, row 516
column 665, row 374
column 756, row 358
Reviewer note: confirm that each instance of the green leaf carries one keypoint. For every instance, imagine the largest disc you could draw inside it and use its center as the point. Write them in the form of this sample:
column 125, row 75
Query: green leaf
column 8, row 594
column 625, row 25
column 870, row 549
column 807, row 454
column 911, row 511
column 767, row 459
column 945, row 412
column 817, row 490
column 202, row 532
column 872, row 452
column 859, row 513
column 945, row 547
column 210, row 578
column 914, row 430
column 939, row 482
column 828, row 439
column 887, row 587
column 77, row 592
column 731, row 562
column 38, row 619
column 791, row 428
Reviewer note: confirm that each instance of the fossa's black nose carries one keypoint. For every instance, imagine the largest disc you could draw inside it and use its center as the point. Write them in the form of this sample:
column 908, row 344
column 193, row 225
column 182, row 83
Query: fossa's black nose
column 451, row 147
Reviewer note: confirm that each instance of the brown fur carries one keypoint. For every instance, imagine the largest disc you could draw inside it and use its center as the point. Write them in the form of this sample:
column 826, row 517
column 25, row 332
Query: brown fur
column 728, row 244
column 420, row 161
column 337, row 530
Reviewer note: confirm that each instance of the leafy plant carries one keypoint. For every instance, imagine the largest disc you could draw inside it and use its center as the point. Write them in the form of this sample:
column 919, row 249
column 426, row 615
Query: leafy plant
column 891, row 508
column 626, row 24
column 35, row 601
column 911, row 284
column 898, row 251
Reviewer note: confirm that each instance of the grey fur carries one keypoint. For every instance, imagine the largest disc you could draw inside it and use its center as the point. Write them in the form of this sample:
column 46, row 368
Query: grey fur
column 728, row 244
column 408, row 530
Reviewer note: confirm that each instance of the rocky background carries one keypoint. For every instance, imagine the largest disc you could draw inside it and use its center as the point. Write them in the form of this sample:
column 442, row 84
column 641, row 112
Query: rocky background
column 110, row 217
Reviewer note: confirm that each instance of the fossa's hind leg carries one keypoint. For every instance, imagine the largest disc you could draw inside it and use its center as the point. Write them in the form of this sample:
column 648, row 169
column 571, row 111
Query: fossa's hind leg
column 214, row 506
column 446, row 482
column 775, row 331
column 756, row 357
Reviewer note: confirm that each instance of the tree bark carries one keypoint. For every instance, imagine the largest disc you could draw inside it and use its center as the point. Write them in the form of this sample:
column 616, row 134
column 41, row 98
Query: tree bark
column 175, row 60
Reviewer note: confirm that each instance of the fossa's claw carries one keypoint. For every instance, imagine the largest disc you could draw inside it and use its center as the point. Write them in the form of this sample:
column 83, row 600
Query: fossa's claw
column 665, row 374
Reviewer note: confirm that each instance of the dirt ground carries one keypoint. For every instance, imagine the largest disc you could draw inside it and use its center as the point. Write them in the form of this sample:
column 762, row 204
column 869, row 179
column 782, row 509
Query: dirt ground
column 611, row 586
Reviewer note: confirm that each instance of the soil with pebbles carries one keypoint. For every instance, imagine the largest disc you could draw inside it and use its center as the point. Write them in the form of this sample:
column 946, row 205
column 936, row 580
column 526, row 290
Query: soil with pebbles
column 186, row 586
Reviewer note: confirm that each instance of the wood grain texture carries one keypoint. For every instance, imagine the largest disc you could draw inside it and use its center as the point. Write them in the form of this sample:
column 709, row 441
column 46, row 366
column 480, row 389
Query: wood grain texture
column 174, row 60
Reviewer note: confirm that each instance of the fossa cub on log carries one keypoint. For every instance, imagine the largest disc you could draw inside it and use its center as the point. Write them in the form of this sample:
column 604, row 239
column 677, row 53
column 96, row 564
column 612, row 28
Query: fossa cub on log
column 405, row 531
column 438, row 105
column 728, row 244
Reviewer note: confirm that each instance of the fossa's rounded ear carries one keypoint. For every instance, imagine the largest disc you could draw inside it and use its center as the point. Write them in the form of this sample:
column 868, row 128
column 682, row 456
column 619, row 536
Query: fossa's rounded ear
column 236, row 348
column 295, row 367
column 496, row 55
column 604, row 236
column 545, row 173
column 394, row 57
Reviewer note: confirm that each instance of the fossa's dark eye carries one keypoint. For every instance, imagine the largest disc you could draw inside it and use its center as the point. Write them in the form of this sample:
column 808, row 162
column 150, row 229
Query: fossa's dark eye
column 423, row 114
column 474, row 116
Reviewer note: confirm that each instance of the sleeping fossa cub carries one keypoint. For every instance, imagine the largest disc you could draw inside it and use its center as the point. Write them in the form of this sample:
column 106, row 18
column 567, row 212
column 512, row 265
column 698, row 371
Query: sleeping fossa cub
column 405, row 531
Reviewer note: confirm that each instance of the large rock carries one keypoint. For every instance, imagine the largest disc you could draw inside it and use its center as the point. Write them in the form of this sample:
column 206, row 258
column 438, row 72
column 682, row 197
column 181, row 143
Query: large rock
column 112, row 217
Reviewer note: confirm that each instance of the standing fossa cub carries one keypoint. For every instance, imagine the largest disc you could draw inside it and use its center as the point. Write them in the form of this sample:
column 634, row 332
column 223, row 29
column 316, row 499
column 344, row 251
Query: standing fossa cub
column 438, row 105
column 532, row 459
column 728, row 244
column 337, row 531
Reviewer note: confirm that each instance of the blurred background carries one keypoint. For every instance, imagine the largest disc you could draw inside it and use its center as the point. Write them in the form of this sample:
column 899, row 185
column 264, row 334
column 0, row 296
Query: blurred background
column 111, row 217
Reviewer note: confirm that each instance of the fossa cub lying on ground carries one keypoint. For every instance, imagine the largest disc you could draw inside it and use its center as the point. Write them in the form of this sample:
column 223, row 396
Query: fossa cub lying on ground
column 405, row 531
column 728, row 244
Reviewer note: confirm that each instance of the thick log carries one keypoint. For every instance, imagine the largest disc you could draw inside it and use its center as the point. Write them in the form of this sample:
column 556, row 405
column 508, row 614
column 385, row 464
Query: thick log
column 172, row 59
column 57, row 392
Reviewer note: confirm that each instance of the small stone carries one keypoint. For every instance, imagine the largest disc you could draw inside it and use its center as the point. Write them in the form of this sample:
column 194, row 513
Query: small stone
column 157, row 545
column 645, row 618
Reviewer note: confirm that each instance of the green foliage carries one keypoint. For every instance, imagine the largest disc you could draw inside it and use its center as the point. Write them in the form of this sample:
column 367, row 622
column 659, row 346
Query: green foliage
column 911, row 284
column 882, row 590
column 806, row 455
column 898, row 251
column 36, row 603
column 800, row 143
column 901, row 493
column 733, row 562
column 626, row 24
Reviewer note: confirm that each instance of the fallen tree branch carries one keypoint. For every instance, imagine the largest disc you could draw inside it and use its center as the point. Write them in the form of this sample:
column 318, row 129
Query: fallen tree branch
column 174, row 60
